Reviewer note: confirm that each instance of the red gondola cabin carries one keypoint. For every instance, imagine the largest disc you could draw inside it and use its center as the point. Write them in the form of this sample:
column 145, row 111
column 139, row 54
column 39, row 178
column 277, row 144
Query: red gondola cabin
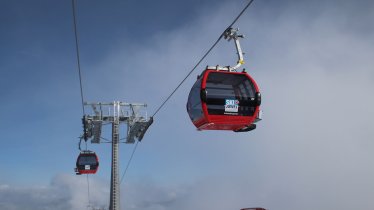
column 87, row 163
column 224, row 100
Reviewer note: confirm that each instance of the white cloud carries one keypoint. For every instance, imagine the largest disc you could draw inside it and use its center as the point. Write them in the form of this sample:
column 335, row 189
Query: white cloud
column 313, row 150
column 64, row 192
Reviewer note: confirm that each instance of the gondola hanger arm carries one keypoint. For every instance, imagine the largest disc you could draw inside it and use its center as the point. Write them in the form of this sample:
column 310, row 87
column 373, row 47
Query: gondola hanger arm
column 231, row 33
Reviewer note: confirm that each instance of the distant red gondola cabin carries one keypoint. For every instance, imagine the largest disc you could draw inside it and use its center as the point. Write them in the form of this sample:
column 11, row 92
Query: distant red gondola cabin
column 87, row 163
column 224, row 100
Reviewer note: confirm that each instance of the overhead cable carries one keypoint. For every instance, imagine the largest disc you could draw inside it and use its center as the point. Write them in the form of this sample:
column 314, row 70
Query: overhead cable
column 128, row 163
column 189, row 73
column 81, row 86
column 204, row 56
column 77, row 52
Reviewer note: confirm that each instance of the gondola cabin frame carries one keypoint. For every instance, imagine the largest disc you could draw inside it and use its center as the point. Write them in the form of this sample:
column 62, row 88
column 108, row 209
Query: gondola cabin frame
column 224, row 100
column 87, row 163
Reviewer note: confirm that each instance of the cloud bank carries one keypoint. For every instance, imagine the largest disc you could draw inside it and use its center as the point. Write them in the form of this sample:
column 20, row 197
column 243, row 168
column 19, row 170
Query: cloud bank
column 313, row 150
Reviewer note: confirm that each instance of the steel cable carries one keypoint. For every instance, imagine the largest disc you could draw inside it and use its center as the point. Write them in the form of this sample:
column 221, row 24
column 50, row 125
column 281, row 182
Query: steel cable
column 204, row 56
column 128, row 163
column 77, row 52
column 189, row 73
column 80, row 84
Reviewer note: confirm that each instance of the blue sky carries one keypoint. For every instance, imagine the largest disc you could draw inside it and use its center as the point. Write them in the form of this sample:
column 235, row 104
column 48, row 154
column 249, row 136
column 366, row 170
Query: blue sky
column 312, row 61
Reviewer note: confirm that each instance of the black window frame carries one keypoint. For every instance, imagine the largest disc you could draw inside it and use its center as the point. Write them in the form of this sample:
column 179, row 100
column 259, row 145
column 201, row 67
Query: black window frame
column 225, row 86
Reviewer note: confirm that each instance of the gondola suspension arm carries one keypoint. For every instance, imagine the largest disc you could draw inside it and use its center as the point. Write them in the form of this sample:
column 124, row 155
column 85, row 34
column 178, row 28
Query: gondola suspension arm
column 232, row 34
column 229, row 34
